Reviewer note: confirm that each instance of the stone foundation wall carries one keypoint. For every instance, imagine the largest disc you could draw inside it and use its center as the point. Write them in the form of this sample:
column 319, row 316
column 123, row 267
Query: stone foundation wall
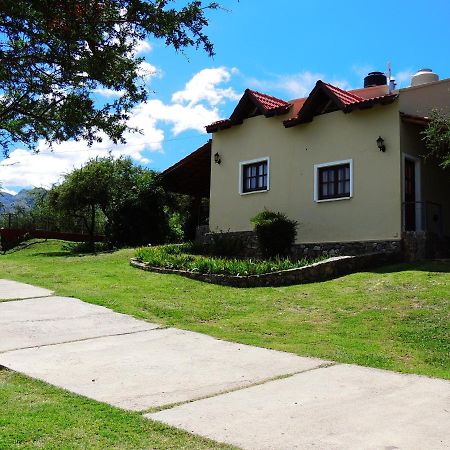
column 345, row 248
column 248, row 243
column 417, row 245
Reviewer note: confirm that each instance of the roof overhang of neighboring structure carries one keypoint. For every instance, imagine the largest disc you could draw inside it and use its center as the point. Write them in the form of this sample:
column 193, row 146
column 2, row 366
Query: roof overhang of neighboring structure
column 191, row 175
column 415, row 120
column 251, row 104
column 325, row 98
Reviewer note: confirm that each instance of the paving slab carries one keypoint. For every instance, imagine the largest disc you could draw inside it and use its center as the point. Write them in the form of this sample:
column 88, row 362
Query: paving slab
column 149, row 369
column 13, row 290
column 339, row 407
column 52, row 320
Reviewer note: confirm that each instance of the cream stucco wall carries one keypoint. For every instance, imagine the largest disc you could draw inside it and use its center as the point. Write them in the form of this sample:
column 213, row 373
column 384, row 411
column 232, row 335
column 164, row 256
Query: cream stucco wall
column 374, row 211
column 421, row 100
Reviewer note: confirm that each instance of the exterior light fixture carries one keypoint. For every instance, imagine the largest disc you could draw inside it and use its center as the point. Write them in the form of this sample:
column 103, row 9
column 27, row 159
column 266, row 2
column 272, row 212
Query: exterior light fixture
column 380, row 144
column 217, row 158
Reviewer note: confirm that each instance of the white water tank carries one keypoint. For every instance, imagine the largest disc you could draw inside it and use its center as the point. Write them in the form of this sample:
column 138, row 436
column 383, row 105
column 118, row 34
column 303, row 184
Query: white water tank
column 424, row 76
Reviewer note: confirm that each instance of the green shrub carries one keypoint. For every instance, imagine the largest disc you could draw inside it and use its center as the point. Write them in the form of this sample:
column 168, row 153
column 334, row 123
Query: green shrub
column 276, row 233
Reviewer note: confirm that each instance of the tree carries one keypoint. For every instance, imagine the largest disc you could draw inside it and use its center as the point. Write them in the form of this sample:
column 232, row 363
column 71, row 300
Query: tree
column 138, row 216
column 128, row 197
column 56, row 53
column 437, row 137
column 83, row 194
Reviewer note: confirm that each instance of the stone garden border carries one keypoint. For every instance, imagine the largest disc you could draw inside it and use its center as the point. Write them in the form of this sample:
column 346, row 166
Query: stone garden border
column 320, row 271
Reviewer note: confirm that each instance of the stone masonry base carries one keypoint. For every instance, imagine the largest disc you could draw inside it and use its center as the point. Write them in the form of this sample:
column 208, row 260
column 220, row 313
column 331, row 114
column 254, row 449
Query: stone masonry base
column 248, row 244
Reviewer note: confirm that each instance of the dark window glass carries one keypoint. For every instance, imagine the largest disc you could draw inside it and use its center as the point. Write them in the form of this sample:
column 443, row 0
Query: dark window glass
column 334, row 181
column 254, row 177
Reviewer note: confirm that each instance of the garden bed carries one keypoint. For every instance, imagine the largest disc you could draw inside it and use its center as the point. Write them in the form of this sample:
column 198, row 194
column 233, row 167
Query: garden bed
column 191, row 258
column 251, row 273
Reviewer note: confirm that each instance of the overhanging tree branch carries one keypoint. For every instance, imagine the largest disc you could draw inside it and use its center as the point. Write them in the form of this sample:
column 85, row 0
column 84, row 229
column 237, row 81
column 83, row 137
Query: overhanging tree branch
column 67, row 49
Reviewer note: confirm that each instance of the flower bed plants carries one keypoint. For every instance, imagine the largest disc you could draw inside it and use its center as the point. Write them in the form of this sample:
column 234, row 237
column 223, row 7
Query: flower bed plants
column 184, row 257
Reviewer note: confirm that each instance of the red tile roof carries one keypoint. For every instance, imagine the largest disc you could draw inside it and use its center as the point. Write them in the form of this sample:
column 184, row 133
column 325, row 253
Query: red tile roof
column 265, row 105
column 268, row 102
column 268, row 105
column 344, row 100
column 347, row 98
column 222, row 124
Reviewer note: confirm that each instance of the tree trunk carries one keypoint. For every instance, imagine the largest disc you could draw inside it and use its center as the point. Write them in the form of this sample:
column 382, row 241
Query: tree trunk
column 92, row 228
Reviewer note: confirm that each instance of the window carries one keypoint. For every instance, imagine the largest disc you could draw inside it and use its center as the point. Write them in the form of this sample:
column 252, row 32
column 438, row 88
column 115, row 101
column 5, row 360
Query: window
column 333, row 181
column 254, row 176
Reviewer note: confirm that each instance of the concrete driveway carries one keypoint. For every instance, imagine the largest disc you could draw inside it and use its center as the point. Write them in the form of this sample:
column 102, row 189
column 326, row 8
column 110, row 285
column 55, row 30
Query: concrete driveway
column 247, row 396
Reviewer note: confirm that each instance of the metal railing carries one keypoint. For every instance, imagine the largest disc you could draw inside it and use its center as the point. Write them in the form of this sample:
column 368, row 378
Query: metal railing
column 423, row 216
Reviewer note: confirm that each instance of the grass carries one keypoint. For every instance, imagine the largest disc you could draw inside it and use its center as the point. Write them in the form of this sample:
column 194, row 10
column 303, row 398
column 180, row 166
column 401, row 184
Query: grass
column 395, row 318
column 181, row 257
column 36, row 415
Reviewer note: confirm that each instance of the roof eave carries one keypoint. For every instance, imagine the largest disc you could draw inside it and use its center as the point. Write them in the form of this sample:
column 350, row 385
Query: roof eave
column 415, row 120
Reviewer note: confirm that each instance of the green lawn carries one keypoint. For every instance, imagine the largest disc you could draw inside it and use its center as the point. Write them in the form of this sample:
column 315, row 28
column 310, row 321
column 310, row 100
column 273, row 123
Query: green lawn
column 36, row 415
column 395, row 318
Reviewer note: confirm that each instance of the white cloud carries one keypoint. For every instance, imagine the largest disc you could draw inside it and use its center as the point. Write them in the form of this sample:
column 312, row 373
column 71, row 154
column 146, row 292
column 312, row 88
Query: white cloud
column 143, row 46
column 24, row 168
column 147, row 71
column 295, row 85
column 105, row 92
column 182, row 118
column 191, row 109
column 8, row 191
column 403, row 78
column 203, row 87
column 362, row 70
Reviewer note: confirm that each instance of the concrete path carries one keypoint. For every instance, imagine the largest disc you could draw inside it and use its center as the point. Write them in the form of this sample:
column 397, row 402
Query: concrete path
column 129, row 363
column 53, row 320
column 338, row 407
column 250, row 397
column 12, row 290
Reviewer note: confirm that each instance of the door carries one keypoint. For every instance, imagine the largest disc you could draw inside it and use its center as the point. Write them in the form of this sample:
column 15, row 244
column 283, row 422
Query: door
column 410, row 195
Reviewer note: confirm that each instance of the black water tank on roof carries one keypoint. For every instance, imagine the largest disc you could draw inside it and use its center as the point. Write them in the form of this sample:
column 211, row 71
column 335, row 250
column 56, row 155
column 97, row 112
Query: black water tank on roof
column 375, row 79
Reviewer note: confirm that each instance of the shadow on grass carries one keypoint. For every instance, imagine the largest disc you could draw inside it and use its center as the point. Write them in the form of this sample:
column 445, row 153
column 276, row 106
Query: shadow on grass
column 68, row 249
column 72, row 254
column 24, row 245
column 431, row 265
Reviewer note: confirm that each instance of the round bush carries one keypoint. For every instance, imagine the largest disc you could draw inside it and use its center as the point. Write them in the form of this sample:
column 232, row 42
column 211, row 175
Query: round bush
column 276, row 233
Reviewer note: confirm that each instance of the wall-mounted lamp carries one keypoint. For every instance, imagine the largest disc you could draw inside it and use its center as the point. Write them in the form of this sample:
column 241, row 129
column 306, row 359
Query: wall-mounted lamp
column 380, row 144
column 217, row 158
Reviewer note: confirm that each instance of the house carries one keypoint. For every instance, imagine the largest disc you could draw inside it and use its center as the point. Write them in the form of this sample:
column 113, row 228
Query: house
column 349, row 166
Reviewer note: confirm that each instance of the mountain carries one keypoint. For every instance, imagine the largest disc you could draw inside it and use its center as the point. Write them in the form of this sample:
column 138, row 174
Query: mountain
column 6, row 200
column 24, row 200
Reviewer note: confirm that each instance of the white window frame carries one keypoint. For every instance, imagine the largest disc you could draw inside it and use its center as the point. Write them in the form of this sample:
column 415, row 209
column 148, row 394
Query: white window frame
column 316, row 180
column 241, row 175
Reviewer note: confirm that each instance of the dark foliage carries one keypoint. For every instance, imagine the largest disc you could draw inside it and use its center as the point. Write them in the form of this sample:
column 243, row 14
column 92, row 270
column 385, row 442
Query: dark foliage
column 276, row 233
column 437, row 137
column 55, row 53
column 140, row 218
column 129, row 199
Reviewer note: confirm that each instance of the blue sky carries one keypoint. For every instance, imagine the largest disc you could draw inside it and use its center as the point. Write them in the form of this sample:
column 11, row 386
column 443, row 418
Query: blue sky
column 279, row 47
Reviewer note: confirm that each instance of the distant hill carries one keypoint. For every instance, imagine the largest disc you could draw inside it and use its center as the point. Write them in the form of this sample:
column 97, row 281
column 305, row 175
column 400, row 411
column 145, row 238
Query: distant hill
column 24, row 200
column 6, row 200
